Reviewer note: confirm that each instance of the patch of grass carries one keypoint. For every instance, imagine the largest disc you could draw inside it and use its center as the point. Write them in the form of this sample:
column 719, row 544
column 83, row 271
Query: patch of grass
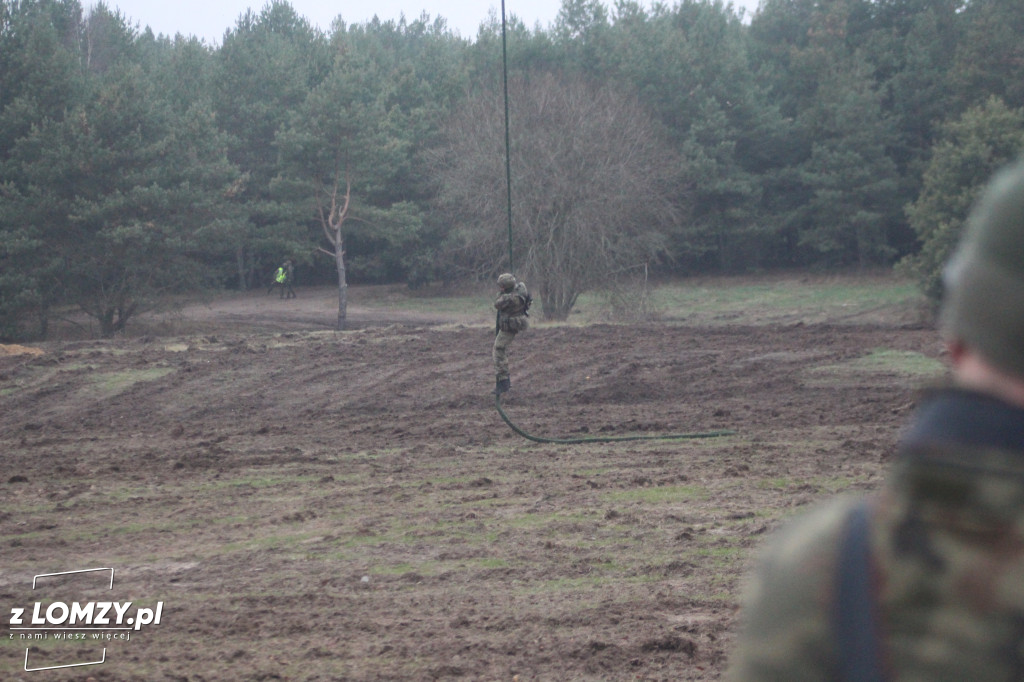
column 24, row 504
column 433, row 568
column 488, row 562
column 539, row 520
column 285, row 540
column 397, row 569
column 31, row 378
column 105, row 383
column 412, row 533
column 433, row 301
column 879, row 361
column 144, row 527
column 750, row 303
column 660, row 494
column 363, row 455
column 831, row 485
column 775, row 483
column 487, row 503
column 260, row 481
column 449, row 480
column 735, row 301
column 898, row 361
column 586, row 583
column 112, row 383
column 785, row 295
column 720, row 557
column 595, row 471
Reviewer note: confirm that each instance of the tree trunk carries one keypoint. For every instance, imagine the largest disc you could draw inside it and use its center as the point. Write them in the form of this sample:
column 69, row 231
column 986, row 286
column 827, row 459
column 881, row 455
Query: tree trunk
column 332, row 223
column 240, row 261
column 339, row 256
column 106, row 320
column 557, row 301
column 114, row 318
column 43, row 321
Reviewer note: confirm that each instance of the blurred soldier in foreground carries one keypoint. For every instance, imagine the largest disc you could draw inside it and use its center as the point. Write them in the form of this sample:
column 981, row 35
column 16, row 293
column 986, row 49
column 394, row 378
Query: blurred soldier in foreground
column 513, row 304
column 923, row 580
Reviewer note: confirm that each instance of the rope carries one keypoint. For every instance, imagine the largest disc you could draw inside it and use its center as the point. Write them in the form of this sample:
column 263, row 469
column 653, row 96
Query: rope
column 511, row 268
column 605, row 439
column 508, row 144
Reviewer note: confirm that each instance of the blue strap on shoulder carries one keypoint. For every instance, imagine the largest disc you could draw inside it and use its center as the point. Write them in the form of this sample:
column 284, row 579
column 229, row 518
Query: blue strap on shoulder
column 858, row 636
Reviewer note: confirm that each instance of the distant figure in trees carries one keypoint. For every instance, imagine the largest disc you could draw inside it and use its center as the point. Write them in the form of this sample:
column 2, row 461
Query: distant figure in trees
column 289, row 279
column 923, row 579
column 284, row 278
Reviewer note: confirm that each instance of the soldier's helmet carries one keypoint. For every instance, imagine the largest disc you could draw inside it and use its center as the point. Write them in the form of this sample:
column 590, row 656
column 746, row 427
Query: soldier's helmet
column 506, row 282
column 983, row 303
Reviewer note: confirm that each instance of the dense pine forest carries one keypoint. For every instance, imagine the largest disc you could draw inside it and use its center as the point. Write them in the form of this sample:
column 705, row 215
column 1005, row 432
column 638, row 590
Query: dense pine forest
column 673, row 139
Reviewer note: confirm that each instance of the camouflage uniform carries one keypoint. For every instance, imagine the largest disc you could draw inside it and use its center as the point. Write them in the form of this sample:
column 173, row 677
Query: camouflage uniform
column 511, row 307
column 289, row 280
column 946, row 548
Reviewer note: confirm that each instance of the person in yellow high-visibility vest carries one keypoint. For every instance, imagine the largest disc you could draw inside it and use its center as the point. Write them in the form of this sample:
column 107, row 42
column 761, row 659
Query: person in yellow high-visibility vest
column 283, row 278
column 277, row 280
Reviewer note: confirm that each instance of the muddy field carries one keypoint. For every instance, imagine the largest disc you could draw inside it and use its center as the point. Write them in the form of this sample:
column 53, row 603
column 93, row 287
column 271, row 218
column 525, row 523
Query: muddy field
column 301, row 504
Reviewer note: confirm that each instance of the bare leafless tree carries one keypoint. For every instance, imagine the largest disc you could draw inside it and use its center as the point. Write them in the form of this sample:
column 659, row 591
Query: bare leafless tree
column 594, row 186
column 332, row 221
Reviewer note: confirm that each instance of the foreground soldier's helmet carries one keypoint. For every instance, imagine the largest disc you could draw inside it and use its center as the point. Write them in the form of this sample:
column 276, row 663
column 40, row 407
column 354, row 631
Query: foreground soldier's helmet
column 984, row 280
column 506, row 281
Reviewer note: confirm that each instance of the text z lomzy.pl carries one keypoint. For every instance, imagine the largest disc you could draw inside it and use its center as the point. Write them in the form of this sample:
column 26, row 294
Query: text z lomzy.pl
column 90, row 614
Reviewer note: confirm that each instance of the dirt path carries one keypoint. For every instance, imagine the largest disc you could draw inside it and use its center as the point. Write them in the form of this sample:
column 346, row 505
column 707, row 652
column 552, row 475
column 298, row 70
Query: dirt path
column 313, row 308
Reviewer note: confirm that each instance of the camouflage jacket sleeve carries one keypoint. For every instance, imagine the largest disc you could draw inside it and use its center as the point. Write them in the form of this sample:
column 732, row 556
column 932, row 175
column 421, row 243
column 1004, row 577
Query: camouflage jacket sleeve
column 786, row 631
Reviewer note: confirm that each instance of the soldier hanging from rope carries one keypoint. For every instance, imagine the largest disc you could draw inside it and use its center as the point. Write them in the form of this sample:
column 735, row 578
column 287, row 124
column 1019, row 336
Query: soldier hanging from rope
column 512, row 304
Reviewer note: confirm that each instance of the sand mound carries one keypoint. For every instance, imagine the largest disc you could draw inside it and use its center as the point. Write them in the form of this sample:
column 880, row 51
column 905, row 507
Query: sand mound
column 14, row 349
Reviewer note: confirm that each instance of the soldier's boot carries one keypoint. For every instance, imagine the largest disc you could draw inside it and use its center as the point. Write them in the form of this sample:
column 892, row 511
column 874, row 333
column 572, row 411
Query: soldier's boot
column 502, row 386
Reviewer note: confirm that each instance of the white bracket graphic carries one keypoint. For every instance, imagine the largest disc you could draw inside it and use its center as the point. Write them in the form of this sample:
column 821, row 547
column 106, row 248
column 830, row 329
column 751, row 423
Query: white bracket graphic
column 70, row 665
column 87, row 570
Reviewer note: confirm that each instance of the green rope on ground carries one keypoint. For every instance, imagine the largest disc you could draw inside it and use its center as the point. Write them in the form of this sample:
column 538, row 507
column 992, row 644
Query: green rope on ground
column 605, row 439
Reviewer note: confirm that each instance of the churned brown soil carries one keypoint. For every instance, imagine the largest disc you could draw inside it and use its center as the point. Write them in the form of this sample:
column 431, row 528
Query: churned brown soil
column 315, row 505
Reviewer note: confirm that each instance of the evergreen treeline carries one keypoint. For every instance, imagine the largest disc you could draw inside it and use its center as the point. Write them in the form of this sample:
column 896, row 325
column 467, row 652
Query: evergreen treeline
column 836, row 134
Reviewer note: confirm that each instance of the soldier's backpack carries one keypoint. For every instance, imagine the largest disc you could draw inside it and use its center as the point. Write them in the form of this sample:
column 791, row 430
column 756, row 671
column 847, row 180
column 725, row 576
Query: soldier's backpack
column 524, row 294
column 855, row 617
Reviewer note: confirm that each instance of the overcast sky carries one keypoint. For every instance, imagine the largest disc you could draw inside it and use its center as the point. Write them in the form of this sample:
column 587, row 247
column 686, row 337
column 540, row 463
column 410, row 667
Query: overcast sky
column 209, row 19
